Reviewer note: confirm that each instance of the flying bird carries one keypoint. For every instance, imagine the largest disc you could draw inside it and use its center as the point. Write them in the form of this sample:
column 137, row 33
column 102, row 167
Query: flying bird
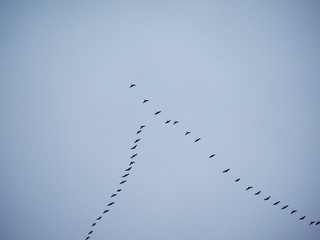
column 134, row 147
column 248, row 188
column 93, row 224
column 134, row 155
column 125, row 175
column 257, row 193
column 187, row 133
column 267, row 198
column 293, row 211
column 284, row 207
column 139, row 131
column 99, row 218
column 302, row 218
column 119, row 190
column 137, row 140
column 227, row 170
column 237, row 180
column 105, row 211
column 197, row 140
column 312, row 222
column 142, row 126
column 131, row 163
column 110, row 203
column 212, row 155
column 128, row 169
column 132, row 85
column 175, row 122
column 90, row 232
column 123, row 182
column 156, row 113
column 167, row 121
column 113, row 195
column 146, row 100
column 318, row 223
column 276, row 203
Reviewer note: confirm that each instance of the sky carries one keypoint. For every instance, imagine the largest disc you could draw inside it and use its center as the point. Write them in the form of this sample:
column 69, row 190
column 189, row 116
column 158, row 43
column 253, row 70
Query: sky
column 242, row 76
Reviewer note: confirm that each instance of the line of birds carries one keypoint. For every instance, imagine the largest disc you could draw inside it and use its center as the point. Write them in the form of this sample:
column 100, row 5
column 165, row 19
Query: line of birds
column 228, row 169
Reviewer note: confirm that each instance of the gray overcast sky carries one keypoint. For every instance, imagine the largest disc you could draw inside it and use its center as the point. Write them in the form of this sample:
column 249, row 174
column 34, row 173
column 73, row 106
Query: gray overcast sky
column 242, row 76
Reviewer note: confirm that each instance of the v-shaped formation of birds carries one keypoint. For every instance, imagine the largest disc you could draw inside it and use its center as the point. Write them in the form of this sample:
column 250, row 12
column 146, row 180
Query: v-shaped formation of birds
column 130, row 165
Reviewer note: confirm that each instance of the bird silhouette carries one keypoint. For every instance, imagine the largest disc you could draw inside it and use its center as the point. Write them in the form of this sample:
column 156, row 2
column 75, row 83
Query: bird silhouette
column 248, row 188
column 212, row 155
column 90, row 232
column 175, row 122
column 146, row 100
column 198, row 139
column 167, row 121
column 128, row 169
column 93, row 224
column 156, row 113
column 142, row 126
column 123, row 182
column 125, row 175
column 119, row 190
column 257, row 193
column 225, row 171
column 293, row 211
column 312, row 222
column 302, row 218
column 105, row 211
column 284, row 207
column 267, row 198
column 276, row 203
column 131, row 163
column 134, row 147
column 134, row 155
column 137, row 140
column 110, row 204
column 237, row 180
column 317, row 222
column 99, row 218
column 187, row 133
column 113, row 195
column 132, row 85
column 139, row 131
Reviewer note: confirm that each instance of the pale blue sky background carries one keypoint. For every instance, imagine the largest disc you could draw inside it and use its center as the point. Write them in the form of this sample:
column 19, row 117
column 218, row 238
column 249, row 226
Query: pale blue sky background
column 242, row 76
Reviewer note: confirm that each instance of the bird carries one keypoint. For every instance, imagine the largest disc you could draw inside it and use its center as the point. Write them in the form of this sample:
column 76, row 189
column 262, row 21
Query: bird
column 257, row 193
column 125, row 175
column 284, row 207
column 131, row 163
column 212, row 155
column 105, row 211
column 227, row 170
column 293, row 211
column 142, row 126
column 146, row 100
column 248, row 188
column 113, row 195
column 134, row 147
column 187, row 133
column 137, row 140
column 119, row 190
column 128, row 169
column 87, row 238
column 237, row 180
column 99, row 218
column 93, row 224
column 134, row 155
column 302, row 218
column 175, row 122
column 139, row 131
column 110, row 203
column 156, row 113
column 317, row 222
column 276, row 203
column 267, row 198
column 312, row 222
column 132, row 85
column 123, row 182
column 90, row 232
column 197, row 140
column 167, row 121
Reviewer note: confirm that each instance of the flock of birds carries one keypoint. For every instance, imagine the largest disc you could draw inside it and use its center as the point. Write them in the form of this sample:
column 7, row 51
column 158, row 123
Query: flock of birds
column 128, row 169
